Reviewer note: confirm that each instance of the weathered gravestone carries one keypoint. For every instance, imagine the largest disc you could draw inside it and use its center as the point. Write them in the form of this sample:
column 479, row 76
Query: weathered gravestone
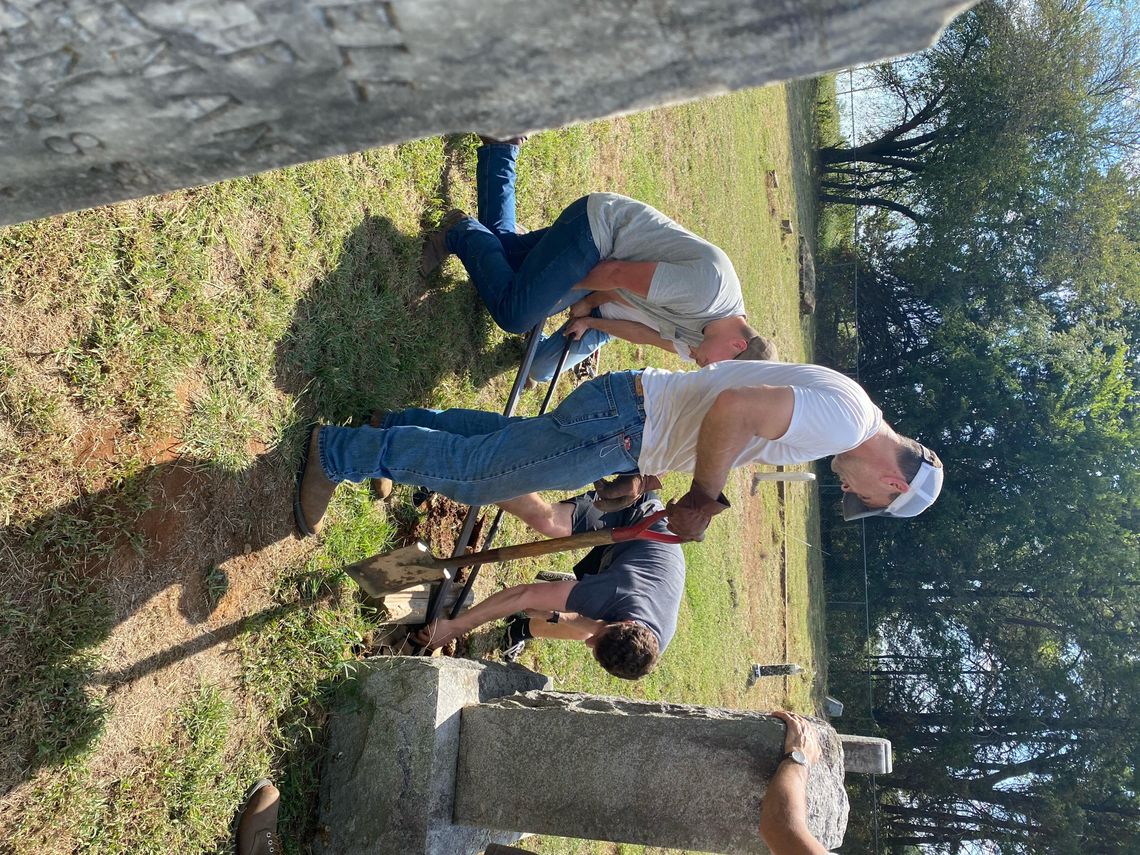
column 667, row 775
column 388, row 785
column 103, row 100
column 409, row 771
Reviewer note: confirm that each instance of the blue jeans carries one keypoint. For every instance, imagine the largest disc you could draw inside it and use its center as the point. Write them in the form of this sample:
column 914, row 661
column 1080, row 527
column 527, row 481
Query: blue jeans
column 479, row 458
column 522, row 278
column 549, row 351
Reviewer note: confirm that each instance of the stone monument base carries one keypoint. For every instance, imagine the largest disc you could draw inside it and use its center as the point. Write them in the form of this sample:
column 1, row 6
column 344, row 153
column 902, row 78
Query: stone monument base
column 389, row 780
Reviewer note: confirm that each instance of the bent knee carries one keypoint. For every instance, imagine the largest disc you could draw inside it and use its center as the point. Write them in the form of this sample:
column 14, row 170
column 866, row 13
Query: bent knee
column 519, row 325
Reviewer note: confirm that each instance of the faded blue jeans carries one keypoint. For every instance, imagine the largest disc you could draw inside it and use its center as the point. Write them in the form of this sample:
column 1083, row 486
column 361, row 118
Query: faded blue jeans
column 479, row 458
column 523, row 279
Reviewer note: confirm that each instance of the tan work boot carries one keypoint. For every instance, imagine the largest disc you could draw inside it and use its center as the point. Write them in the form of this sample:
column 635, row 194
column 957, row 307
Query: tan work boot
column 435, row 246
column 314, row 489
column 257, row 828
column 381, row 487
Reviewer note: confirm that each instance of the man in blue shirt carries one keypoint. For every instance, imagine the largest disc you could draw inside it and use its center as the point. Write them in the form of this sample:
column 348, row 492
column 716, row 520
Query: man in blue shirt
column 623, row 604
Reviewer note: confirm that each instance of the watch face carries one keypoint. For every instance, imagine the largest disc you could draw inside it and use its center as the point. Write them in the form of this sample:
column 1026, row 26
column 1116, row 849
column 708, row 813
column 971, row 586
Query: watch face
column 798, row 756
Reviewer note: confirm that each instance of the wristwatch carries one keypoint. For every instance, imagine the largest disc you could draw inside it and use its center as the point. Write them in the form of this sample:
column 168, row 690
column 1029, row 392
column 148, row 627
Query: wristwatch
column 796, row 756
column 555, row 616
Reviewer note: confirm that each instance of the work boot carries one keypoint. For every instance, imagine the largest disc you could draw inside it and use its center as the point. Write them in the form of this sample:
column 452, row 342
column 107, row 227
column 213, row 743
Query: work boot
column 435, row 249
column 381, row 487
column 257, row 828
column 314, row 490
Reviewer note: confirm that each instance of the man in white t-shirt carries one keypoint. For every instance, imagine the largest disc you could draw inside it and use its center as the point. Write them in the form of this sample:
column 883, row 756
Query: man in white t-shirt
column 623, row 269
column 639, row 424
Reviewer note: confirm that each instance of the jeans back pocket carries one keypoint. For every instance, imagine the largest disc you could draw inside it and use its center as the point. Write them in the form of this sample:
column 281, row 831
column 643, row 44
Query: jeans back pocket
column 591, row 402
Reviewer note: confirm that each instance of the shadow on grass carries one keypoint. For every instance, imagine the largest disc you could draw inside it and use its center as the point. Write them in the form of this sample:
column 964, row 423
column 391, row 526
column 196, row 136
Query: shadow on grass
column 369, row 334
column 373, row 333
column 77, row 574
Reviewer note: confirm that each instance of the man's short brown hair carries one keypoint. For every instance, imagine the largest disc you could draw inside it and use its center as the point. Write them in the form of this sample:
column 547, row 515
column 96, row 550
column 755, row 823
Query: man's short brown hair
column 911, row 456
column 760, row 347
column 627, row 650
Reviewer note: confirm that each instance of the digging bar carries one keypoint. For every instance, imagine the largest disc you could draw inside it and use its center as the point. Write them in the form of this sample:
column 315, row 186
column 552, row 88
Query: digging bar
column 412, row 565
column 441, row 590
column 494, row 529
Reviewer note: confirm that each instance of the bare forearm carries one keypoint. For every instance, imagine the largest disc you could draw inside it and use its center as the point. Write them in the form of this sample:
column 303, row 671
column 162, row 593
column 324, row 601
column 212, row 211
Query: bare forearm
column 783, row 815
column 496, row 606
column 737, row 417
column 722, row 437
column 552, row 520
column 609, row 275
column 600, row 298
column 570, row 626
column 631, row 331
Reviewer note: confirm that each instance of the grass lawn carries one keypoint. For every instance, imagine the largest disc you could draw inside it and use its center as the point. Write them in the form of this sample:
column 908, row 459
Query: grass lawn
column 164, row 639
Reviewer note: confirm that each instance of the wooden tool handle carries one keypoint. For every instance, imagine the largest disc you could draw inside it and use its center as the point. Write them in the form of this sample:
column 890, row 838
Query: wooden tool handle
column 530, row 550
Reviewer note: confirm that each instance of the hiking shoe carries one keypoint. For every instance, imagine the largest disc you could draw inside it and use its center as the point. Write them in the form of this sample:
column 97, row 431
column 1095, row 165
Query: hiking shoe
column 435, row 249
column 588, row 368
column 518, row 634
column 512, row 653
column 381, row 487
column 314, row 489
column 555, row 576
column 257, row 828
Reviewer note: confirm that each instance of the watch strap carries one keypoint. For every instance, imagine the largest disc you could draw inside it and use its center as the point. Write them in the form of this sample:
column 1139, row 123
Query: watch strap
column 796, row 756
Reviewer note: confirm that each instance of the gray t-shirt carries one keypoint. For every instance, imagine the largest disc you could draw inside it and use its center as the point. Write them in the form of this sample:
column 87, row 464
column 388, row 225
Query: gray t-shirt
column 639, row 580
column 694, row 283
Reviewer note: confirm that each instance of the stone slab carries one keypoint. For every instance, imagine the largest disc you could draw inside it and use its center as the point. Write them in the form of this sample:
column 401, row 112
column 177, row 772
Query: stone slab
column 105, row 100
column 867, row 755
column 389, row 778
column 666, row 775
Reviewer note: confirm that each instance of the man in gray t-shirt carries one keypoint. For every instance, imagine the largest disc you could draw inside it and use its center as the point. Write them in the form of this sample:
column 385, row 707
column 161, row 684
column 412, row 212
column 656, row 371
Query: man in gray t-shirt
column 623, row 604
column 623, row 269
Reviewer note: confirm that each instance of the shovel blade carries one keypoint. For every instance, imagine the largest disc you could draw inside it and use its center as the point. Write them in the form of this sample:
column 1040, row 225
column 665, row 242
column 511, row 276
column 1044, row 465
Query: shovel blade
column 394, row 571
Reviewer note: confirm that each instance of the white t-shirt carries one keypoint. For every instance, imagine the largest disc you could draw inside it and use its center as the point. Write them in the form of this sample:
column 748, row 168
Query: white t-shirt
column 694, row 282
column 831, row 413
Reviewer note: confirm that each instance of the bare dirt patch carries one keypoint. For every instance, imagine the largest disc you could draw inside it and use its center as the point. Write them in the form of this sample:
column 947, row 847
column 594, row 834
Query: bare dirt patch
column 212, row 547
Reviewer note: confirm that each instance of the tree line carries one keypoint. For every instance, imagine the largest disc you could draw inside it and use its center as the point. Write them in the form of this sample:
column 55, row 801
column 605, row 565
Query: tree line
column 998, row 185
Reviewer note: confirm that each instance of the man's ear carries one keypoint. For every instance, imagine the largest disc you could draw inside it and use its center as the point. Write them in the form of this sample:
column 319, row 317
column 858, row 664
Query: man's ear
column 895, row 483
column 739, row 345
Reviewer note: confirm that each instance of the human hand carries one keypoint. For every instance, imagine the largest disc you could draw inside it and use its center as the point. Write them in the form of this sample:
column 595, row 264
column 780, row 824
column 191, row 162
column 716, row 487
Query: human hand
column 692, row 513
column 436, row 634
column 581, row 309
column 799, row 734
column 623, row 491
column 577, row 327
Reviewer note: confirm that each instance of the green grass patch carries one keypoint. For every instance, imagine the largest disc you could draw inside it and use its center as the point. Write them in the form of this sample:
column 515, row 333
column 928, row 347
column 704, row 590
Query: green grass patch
column 179, row 799
column 216, row 323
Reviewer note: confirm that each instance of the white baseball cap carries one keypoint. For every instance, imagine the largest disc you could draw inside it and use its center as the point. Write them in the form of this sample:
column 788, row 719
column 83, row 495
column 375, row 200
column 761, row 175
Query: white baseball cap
column 924, row 489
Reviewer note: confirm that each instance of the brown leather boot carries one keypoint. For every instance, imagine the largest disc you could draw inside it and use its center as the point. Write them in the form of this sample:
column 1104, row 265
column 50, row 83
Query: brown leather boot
column 314, row 490
column 435, row 250
column 257, row 828
column 381, row 487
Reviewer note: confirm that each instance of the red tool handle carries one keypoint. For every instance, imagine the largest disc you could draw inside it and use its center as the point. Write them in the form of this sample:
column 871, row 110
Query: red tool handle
column 640, row 531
